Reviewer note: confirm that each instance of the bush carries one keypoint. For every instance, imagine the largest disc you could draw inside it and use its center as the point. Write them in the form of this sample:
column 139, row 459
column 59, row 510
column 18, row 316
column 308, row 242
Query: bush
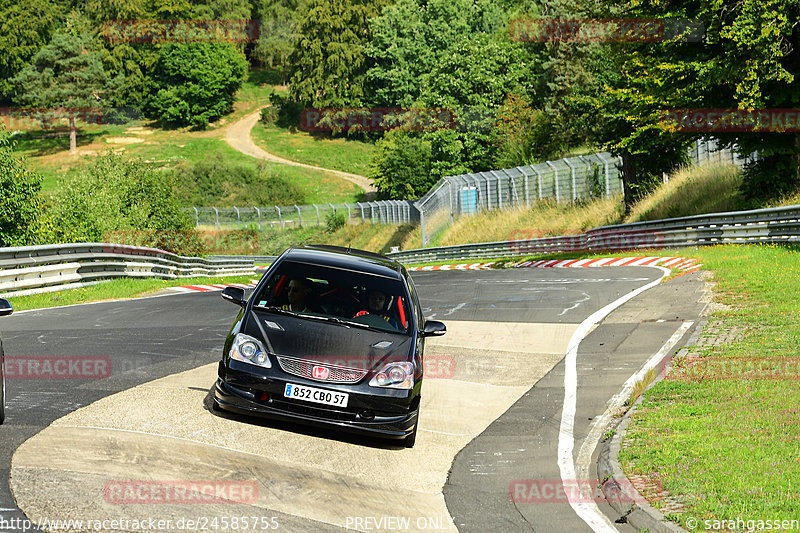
column 219, row 182
column 116, row 195
column 334, row 221
column 20, row 203
column 269, row 116
column 195, row 83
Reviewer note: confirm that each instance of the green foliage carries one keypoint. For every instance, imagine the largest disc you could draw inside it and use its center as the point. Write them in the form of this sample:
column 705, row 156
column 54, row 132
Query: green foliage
column 334, row 222
column 401, row 168
column 25, row 27
column 411, row 37
column 269, row 116
column 746, row 59
column 215, row 181
column 66, row 75
column 195, row 83
column 20, row 203
column 328, row 62
column 116, row 194
column 277, row 35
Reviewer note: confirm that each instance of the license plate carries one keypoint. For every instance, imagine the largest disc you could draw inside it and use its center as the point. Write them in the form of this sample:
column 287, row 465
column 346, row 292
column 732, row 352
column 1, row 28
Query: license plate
column 312, row 394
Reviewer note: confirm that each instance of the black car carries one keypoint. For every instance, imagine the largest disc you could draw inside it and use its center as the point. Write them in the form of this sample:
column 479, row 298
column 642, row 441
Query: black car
column 5, row 310
column 330, row 337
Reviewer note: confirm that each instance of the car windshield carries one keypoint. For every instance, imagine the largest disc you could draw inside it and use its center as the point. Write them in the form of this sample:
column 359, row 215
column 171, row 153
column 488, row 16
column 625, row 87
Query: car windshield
column 355, row 298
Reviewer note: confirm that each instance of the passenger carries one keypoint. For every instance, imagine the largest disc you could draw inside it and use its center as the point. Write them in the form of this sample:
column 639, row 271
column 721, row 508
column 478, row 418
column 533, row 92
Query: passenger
column 376, row 305
column 299, row 289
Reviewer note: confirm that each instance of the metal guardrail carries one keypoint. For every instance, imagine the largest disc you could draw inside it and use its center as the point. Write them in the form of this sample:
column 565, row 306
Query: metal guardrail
column 762, row 226
column 26, row 269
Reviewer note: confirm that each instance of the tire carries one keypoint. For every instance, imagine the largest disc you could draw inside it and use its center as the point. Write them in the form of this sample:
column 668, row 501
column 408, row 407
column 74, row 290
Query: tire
column 411, row 439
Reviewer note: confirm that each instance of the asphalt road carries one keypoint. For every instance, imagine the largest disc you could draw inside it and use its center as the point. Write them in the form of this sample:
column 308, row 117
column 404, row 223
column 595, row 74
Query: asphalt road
column 151, row 338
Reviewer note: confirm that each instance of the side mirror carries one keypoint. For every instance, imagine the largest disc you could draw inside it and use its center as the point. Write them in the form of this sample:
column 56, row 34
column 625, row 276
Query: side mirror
column 234, row 295
column 5, row 308
column 433, row 328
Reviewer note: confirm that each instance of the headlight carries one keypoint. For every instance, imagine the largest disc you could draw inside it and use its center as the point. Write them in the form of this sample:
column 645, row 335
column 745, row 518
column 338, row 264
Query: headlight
column 395, row 376
column 249, row 350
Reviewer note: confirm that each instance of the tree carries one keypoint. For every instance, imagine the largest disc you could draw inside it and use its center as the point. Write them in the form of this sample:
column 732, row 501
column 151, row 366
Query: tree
column 411, row 37
column 195, row 83
column 328, row 62
column 20, row 203
column 25, row 27
column 746, row 59
column 65, row 77
column 277, row 34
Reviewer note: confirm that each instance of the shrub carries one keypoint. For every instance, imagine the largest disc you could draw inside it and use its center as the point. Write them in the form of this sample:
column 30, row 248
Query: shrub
column 20, row 203
column 334, row 221
column 218, row 182
column 113, row 195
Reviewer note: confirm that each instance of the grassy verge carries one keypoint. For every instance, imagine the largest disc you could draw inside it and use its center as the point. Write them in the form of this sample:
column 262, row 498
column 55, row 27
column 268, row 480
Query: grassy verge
column 315, row 149
column 113, row 290
column 722, row 434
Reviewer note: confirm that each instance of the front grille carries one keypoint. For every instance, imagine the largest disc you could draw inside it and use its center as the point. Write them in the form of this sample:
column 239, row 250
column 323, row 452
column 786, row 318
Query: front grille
column 336, row 374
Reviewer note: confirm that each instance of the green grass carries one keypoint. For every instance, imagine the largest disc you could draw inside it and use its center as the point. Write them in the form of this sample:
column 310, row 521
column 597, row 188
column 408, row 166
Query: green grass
column 728, row 445
column 318, row 149
column 113, row 290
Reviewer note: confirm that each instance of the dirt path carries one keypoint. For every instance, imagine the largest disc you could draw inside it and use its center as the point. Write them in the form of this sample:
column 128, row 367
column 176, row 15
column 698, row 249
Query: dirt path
column 238, row 136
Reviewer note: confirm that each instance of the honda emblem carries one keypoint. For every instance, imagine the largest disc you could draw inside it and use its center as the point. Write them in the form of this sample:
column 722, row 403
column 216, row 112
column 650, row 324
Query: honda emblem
column 319, row 372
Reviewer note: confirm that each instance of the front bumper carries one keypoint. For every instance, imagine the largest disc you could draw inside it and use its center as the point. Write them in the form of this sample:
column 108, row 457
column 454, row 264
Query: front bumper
column 370, row 411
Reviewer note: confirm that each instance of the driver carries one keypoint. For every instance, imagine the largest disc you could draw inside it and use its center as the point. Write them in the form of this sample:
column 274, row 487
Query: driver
column 298, row 293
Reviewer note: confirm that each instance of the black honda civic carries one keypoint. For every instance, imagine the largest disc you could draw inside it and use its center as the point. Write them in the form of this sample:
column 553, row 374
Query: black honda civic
column 329, row 337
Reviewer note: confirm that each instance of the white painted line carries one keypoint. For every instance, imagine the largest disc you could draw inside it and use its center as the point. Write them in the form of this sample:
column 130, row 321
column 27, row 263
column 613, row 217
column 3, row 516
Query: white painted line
column 600, row 423
column 588, row 512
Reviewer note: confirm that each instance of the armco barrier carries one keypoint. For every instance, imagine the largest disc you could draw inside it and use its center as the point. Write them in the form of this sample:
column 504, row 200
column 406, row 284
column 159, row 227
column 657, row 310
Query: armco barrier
column 775, row 225
column 36, row 268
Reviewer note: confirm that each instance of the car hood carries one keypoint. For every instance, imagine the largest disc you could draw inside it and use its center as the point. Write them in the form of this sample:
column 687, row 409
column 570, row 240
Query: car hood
column 328, row 343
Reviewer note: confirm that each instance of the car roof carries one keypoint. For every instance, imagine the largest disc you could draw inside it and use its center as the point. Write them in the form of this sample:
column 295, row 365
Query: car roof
column 346, row 258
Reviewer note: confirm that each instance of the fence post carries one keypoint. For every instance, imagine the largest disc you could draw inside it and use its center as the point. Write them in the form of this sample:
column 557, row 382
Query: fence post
column 334, row 209
column 572, row 171
column 238, row 218
column 555, row 169
column 422, row 225
column 196, row 218
column 280, row 218
column 217, row 213
column 527, row 192
column 299, row 216
column 317, row 208
column 349, row 214
column 259, row 217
